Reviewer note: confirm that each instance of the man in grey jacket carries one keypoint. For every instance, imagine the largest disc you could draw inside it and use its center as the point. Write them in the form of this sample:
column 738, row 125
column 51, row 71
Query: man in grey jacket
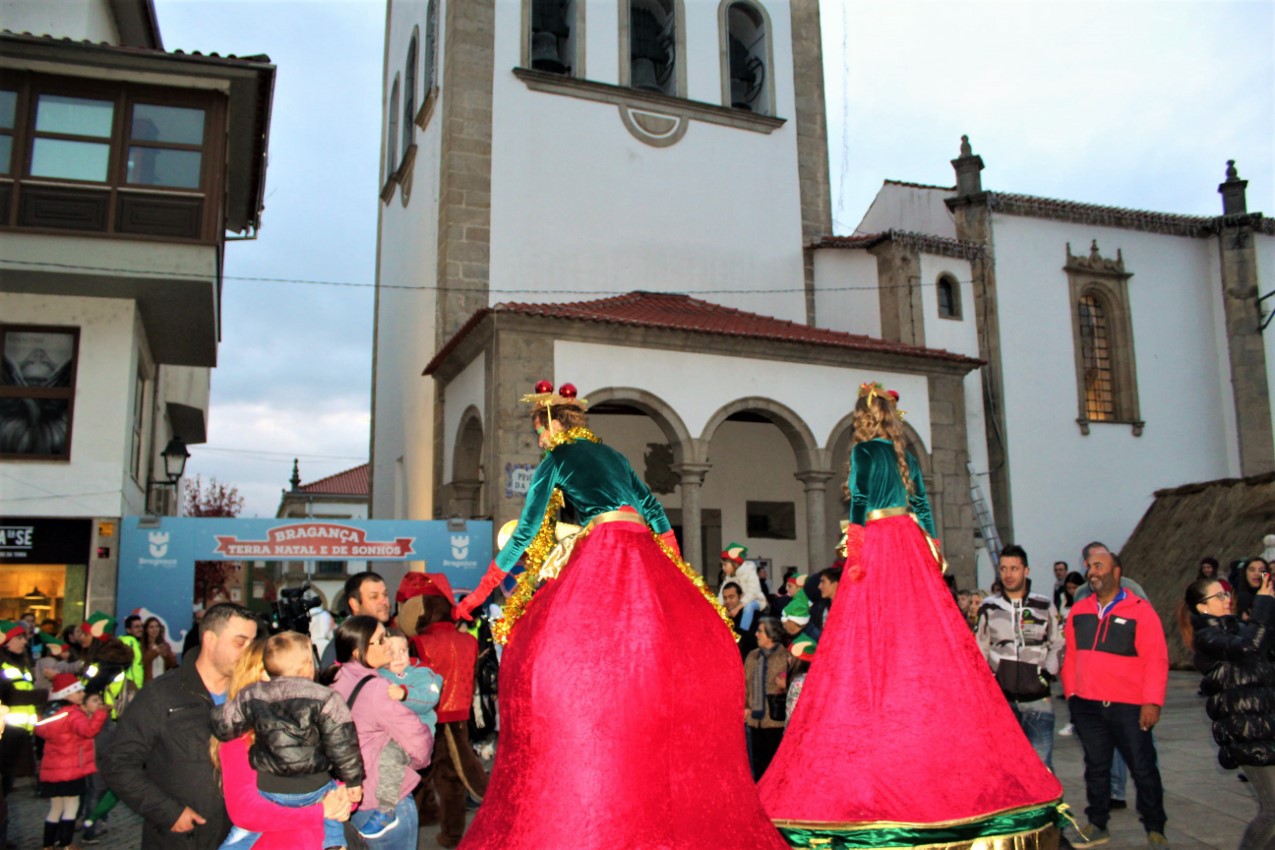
column 158, row 763
column 1019, row 634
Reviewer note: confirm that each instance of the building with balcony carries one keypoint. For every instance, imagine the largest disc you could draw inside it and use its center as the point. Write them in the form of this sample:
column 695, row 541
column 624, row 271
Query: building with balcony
column 123, row 166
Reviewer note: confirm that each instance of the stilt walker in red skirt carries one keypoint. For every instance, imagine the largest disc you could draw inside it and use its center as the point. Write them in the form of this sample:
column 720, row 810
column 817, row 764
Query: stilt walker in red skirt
column 621, row 689
column 902, row 737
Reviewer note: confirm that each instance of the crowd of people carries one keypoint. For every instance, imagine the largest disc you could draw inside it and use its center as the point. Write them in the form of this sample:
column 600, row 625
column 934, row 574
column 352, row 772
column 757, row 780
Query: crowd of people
column 255, row 739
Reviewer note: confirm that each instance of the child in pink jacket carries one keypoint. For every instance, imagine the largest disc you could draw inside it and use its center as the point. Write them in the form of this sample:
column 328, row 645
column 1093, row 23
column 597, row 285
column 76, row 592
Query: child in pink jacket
column 68, row 728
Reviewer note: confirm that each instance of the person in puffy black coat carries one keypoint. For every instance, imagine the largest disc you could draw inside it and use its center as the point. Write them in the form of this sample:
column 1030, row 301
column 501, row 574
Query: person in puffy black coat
column 1239, row 681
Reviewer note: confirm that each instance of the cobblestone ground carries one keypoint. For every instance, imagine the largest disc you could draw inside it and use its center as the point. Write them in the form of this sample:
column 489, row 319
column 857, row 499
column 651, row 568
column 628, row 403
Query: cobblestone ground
column 1207, row 806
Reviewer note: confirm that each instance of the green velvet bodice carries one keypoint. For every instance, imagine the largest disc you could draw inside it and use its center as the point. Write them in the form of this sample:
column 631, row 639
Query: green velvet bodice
column 875, row 483
column 593, row 479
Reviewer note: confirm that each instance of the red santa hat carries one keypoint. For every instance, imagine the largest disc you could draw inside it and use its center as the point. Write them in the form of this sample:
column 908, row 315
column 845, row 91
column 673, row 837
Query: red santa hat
column 424, row 584
column 65, row 684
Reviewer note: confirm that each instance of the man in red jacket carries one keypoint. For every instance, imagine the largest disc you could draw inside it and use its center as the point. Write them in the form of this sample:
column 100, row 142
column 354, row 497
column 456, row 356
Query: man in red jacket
column 1114, row 674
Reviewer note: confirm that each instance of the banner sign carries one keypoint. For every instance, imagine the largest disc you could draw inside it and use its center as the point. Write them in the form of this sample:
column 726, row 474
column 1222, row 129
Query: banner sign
column 158, row 555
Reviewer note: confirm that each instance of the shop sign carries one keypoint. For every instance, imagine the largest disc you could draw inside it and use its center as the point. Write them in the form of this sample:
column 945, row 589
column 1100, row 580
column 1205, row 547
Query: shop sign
column 44, row 541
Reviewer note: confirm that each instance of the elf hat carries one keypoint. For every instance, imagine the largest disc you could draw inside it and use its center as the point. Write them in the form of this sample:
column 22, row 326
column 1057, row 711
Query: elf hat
column 10, row 630
column 65, row 684
column 735, row 552
column 100, row 626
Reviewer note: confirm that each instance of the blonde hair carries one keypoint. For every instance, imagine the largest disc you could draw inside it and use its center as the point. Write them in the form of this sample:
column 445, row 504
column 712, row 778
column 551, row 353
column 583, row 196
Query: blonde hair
column 875, row 417
column 285, row 653
column 248, row 670
column 569, row 415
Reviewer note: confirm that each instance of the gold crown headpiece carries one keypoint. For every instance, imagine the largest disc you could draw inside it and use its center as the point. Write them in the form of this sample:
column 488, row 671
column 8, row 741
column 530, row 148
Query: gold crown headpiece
column 871, row 389
column 545, row 397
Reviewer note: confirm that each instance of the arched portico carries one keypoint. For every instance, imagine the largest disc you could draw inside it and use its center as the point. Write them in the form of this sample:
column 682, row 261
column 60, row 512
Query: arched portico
column 463, row 496
column 810, row 461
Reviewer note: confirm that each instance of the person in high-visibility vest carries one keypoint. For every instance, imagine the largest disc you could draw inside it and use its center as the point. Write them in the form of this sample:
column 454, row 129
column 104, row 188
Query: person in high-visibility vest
column 132, row 638
column 17, row 691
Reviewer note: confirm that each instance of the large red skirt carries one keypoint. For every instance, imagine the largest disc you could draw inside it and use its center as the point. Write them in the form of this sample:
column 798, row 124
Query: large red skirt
column 621, row 714
column 899, row 718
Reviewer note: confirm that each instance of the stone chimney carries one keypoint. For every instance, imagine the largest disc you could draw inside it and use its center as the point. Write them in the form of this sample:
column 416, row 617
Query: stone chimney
column 1232, row 191
column 968, row 166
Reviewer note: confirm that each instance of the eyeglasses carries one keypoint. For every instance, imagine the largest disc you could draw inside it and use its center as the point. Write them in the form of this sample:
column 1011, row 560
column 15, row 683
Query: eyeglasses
column 1223, row 595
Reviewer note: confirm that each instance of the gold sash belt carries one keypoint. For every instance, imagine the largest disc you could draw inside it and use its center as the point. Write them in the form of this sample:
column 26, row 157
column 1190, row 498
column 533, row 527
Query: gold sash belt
column 568, row 535
column 883, row 513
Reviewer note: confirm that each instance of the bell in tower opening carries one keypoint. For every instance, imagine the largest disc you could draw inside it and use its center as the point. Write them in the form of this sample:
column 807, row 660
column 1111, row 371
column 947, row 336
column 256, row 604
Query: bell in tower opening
column 549, row 34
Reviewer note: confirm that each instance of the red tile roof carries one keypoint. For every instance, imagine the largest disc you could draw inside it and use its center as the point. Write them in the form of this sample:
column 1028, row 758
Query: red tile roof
column 674, row 311
column 351, row 482
column 195, row 55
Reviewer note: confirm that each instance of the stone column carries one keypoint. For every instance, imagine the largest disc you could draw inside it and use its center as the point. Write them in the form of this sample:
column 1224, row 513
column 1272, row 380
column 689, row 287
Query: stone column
column 692, row 475
column 816, row 483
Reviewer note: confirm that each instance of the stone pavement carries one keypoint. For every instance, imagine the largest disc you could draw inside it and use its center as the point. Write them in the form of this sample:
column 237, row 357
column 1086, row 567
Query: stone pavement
column 1208, row 807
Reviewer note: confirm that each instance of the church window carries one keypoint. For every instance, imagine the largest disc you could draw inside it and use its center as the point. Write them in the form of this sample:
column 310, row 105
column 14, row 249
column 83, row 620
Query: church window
column 652, row 49
column 554, row 29
column 746, row 58
column 1095, row 352
column 949, row 296
column 391, row 134
column 1102, row 333
column 409, row 94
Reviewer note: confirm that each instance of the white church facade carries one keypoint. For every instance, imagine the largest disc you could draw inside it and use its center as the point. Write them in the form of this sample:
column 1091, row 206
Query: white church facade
column 633, row 197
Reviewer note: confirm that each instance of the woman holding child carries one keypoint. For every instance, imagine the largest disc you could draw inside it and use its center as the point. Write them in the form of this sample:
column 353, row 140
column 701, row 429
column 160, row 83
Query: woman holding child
column 391, row 738
column 278, row 827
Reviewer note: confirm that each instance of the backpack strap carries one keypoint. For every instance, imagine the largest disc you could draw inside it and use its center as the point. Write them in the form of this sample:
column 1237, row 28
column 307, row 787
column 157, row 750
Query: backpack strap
column 354, row 694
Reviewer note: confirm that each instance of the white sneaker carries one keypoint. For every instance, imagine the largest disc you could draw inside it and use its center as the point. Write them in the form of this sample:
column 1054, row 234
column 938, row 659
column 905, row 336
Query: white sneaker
column 1068, row 730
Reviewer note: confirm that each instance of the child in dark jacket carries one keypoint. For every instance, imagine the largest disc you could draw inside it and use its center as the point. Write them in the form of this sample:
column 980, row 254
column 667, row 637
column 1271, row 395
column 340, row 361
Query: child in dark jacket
column 304, row 734
column 68, row 728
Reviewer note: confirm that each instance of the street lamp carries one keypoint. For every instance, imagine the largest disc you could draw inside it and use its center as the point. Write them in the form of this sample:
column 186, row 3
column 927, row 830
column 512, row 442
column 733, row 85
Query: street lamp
column 175, row 455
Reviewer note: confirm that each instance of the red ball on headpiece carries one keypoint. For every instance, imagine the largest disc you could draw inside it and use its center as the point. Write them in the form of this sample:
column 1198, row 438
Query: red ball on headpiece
column 544, row 386
column 567, row 390
column 894, row 394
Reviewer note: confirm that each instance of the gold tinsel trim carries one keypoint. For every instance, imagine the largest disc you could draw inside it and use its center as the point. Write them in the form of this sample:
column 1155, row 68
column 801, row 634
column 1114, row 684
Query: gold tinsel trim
column 698, row 580
column 572, row 435
column 516, row 605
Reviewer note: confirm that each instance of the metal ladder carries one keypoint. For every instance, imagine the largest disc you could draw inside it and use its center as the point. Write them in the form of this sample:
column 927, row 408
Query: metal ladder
column 983, row 516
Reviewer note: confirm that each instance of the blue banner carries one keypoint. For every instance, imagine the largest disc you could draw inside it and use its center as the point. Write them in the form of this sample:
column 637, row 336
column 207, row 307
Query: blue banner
column 157, row 556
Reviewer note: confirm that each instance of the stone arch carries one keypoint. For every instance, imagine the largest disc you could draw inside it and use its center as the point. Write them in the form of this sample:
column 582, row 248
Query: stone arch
column 464, row 491
column 662, row 414
column 789, row 423
column 843, row 431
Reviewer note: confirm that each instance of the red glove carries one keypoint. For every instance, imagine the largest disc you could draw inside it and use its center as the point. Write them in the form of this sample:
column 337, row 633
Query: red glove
column 670, row 540
column 494, row 576
column 854, row 551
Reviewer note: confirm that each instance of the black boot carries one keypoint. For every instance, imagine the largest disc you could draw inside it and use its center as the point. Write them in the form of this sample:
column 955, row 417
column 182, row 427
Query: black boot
column 66, row 833
column 50, row 833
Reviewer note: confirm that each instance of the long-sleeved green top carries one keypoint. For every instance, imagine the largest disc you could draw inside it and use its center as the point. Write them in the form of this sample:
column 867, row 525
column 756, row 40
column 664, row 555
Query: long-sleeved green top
column 875, row 483
column 593, row 479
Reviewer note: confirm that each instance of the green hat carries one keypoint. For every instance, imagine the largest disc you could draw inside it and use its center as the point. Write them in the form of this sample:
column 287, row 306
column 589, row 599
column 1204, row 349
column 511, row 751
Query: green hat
column 736, row 552
column 54, row 646
column 99, row 625
column 798, row 610
column 9, row 629
column 803, row 647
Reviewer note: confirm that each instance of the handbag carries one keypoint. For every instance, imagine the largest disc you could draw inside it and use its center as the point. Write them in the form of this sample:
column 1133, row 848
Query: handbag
column 777, row 705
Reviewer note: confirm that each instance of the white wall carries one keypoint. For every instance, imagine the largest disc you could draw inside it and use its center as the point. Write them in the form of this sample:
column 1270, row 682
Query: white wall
column 580, row 204
column 699, row 385
column 95, row 480
column 403, row 413
column 89, row 20
column 1068, row 488
column 847, row 297
column 904, row 206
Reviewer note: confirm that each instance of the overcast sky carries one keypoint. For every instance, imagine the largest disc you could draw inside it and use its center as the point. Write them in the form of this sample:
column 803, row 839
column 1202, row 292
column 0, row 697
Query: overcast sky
column 1135, row 103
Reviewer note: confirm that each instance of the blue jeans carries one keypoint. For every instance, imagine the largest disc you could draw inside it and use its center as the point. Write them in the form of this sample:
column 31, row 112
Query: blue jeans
column 1105, row 728
column 1119, row 777
column 402, row 837
column 333, row 830
column 746, row 616
column 1039, row 728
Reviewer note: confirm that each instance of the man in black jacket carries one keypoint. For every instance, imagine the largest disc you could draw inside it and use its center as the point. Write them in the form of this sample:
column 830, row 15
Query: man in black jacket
column 158, row 762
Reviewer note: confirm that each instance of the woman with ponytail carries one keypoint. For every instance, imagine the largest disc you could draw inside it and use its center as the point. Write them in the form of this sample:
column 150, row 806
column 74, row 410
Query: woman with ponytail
column 1239, row 681
column 895, row 654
